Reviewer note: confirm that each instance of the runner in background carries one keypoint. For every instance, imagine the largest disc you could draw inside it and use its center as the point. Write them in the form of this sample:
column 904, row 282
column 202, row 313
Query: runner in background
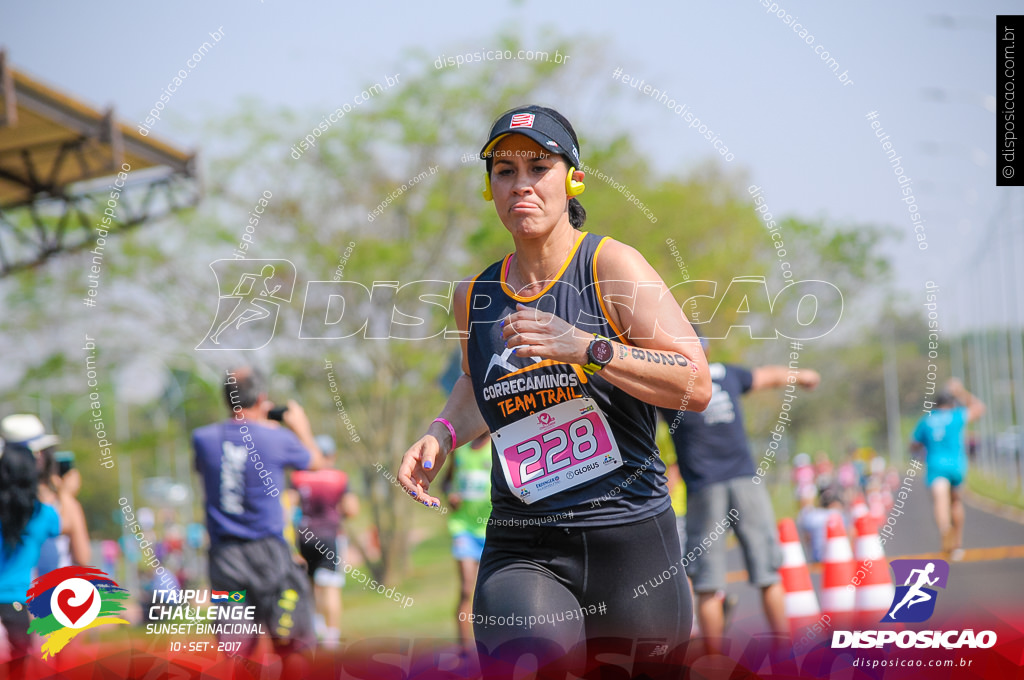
column 467, row 485
column 812, row 520
column 940, row 435
column 716, row 463
column 325, row 502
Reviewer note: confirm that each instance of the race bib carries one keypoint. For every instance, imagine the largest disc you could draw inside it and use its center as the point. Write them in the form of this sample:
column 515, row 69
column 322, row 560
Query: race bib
column 556, row 449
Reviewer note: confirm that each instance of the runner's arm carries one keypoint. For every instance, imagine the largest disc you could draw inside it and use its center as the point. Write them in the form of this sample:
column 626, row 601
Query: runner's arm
column 297, row 421
column 975, row 407
column 670, row 372
column 424, row 459
column 767, row 377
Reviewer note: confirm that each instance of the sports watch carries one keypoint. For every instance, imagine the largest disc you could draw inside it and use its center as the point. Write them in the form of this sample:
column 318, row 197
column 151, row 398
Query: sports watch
column 599, row 354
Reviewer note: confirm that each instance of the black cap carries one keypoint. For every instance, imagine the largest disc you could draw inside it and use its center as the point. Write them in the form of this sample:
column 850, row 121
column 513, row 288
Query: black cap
column 538, row 126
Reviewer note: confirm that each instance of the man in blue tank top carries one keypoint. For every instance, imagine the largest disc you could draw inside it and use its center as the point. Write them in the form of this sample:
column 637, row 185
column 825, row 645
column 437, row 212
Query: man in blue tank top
column 940, row 436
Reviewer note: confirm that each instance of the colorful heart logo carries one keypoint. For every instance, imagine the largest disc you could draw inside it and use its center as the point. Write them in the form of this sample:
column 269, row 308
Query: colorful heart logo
column 74, row 612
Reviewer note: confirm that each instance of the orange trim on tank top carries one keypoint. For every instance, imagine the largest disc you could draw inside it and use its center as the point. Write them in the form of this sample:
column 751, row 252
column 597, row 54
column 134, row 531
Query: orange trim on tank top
column 508, row 260
column 600, row 298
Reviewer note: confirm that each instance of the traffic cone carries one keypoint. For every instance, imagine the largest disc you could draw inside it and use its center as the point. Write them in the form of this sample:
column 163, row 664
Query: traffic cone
column 876, row 508
column 801, row 603
column 837, row 599
column 874, row 591
column 860, row 508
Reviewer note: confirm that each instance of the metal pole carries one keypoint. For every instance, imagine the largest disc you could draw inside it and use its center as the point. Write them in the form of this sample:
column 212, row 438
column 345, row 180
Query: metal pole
column 892, row 397
column 1002, row 385
column 1014, row 329
column 978, row 379
column 985, row 425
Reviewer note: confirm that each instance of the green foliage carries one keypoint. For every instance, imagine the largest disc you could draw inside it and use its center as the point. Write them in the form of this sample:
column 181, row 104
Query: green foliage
column 1003, row 491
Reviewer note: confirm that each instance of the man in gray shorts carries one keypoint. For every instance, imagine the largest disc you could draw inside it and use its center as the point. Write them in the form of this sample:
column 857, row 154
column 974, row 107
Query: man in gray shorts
column 716, row 464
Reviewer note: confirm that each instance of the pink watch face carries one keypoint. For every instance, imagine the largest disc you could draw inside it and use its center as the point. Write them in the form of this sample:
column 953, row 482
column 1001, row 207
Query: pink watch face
column 601, row 351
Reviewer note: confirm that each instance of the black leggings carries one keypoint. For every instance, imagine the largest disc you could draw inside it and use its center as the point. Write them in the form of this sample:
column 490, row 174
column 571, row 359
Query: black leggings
column 15, row 621
column 534, row 582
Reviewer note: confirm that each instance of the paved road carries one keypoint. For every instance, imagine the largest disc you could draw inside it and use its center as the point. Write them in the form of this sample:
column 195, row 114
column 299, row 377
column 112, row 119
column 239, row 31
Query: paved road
column 987, row 582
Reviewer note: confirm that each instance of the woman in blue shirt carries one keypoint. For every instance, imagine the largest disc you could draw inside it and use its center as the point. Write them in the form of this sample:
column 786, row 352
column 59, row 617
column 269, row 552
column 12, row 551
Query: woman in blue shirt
column 24, row 524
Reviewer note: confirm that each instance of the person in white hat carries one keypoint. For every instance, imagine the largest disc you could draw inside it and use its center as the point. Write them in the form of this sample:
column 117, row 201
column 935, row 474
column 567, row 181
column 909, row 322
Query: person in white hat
column 26, row 431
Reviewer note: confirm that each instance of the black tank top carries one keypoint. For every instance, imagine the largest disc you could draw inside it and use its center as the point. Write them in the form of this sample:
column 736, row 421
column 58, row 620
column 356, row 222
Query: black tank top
column 509, row 388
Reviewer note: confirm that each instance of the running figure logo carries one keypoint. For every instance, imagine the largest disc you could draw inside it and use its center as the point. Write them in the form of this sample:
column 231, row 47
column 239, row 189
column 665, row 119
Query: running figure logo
column 251, row 295
column 916, row 575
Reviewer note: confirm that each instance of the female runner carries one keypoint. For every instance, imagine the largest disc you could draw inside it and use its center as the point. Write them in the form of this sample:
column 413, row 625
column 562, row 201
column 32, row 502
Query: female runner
column 569, row 344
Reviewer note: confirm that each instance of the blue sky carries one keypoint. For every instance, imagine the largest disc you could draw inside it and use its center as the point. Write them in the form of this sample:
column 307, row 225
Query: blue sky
column 796, row 130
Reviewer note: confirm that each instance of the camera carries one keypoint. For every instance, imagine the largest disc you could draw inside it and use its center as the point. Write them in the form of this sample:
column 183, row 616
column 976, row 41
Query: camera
column 277, row 413
column 65, row 461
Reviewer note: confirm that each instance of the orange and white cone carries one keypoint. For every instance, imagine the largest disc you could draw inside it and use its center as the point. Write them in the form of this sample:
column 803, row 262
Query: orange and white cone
column 876, row 508
column 860, row 508
column 874, row 585
column 801, row 603
column 837, row 597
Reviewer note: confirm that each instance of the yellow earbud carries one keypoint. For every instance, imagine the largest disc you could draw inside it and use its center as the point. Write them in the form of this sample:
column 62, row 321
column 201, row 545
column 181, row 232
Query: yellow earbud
column 572, row 187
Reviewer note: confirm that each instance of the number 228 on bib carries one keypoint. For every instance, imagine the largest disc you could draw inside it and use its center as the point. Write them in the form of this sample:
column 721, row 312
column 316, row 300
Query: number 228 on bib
column 556, row 449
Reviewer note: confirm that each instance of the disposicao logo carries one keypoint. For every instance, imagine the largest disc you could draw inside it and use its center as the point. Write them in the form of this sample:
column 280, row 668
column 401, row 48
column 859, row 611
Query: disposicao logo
column 914, row 602
column 70, row 600
column 916, row 576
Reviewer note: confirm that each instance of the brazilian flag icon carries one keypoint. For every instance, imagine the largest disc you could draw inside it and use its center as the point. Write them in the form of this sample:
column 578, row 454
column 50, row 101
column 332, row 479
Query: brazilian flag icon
column 237, row 596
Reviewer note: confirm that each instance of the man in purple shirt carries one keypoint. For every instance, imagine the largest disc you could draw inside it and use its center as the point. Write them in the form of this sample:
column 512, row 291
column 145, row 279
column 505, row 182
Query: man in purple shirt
column 242, row 462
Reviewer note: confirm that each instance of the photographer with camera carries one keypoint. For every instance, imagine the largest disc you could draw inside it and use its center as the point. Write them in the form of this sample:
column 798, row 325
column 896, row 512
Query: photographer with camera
column 242, row 461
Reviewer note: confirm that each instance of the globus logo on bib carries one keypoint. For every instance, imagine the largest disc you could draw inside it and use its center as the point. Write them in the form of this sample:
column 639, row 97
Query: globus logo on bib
column 586, row 468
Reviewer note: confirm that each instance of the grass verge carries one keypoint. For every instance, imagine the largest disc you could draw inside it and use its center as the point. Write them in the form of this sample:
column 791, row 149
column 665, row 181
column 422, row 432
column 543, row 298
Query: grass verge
column 995, row 489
